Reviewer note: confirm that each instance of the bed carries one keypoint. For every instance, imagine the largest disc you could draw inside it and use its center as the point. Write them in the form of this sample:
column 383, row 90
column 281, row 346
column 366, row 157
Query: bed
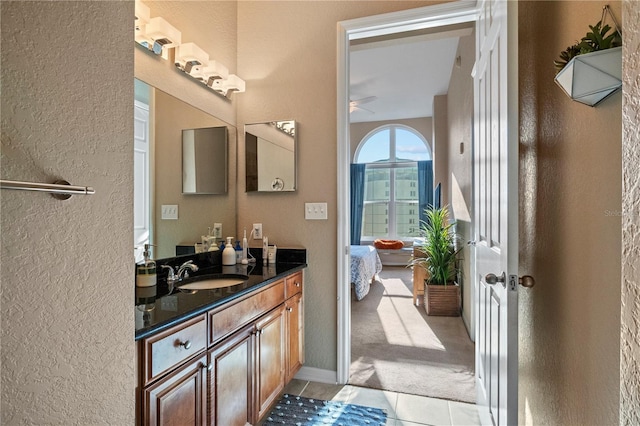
column 365, row 264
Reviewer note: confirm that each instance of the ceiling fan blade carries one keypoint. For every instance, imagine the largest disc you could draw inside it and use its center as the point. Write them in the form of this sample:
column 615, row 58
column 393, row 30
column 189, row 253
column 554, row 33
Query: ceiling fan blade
column 363, row 100
column 355, row 107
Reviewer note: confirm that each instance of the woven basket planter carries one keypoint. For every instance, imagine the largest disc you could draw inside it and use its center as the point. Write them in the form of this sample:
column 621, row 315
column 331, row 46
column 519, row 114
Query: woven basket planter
column 442, row 300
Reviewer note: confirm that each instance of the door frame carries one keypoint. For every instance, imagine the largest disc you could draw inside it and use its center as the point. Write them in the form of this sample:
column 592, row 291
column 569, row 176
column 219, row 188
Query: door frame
column 377, row 25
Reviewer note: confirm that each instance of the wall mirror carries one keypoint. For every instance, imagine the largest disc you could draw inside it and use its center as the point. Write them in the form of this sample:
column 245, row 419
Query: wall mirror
column 204, row 160
column 270, row 150
column 159, row 121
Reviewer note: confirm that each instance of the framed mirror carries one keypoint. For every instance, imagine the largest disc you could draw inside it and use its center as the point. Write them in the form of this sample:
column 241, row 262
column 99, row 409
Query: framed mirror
column 204, row 161
column 159, row 123
column 270, row 156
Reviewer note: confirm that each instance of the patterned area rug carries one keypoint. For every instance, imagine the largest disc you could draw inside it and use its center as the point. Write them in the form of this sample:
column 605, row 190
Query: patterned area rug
column 301, row 411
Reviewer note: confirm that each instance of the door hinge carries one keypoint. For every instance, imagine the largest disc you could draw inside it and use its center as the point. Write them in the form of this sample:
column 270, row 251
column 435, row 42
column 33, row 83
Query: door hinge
column 513, row 282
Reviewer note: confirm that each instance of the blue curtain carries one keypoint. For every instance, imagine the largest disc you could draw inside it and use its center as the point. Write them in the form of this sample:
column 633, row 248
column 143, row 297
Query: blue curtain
column 425, row 186
column 357, row 201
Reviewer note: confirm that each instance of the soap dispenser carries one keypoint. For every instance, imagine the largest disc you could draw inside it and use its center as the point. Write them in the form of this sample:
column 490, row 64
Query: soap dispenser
column 229, row 253
column 146, row 270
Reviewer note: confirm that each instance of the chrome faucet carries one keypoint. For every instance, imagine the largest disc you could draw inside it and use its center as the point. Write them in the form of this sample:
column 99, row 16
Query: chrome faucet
column 182, row 273
column 183, row 270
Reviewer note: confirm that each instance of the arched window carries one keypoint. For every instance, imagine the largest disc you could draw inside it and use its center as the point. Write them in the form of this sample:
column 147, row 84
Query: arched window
column 390, row 207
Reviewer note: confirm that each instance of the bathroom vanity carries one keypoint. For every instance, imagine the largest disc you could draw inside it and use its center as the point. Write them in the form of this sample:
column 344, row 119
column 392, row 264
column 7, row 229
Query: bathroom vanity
column 219, row 356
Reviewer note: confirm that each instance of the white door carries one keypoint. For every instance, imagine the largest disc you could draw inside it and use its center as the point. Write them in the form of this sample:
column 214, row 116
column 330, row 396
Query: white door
column 496, row 211
column 141, row 152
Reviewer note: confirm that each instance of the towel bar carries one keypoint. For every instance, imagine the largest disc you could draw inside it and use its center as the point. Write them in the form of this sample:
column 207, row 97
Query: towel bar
column 61, row 189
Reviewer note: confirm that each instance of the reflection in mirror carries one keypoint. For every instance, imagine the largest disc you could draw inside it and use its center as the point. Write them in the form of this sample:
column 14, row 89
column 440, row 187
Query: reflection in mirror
column 204, row 161
column 159, row 120
column 271, row 156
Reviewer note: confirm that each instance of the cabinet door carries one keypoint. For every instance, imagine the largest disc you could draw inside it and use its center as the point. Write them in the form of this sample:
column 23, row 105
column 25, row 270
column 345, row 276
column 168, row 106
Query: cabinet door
column 230, row 380
column 270, row 363
column 295, row 336
column 179, row 399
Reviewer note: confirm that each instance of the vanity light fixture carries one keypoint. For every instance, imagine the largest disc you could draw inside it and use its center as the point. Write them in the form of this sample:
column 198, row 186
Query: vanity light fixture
column 143, row 16
column 287, row 127
column 158, row 35
column 191, row 59
column 161, row 36
column 214, row 71
column 231, row 84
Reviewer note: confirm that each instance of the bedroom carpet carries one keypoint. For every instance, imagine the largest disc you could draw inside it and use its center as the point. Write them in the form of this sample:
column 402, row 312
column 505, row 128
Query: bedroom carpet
column 395, row 346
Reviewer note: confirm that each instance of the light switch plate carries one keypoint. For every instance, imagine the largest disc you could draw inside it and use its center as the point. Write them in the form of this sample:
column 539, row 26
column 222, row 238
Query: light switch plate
column 315, row 211
column 170, row 211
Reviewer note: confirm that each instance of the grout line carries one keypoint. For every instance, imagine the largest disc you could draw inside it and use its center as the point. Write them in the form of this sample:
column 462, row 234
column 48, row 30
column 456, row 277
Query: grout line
column 303, row 388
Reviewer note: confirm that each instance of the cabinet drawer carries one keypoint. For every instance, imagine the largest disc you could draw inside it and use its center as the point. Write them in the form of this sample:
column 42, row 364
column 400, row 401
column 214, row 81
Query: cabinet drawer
column 171, row 347
column 225, row 321
column 293, row 284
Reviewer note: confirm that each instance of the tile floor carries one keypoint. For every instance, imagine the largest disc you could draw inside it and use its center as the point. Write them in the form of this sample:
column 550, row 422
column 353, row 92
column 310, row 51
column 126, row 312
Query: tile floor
column 402, row 409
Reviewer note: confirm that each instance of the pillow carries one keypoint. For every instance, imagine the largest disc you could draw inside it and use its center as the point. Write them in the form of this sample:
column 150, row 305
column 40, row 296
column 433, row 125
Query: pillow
column 388, row 244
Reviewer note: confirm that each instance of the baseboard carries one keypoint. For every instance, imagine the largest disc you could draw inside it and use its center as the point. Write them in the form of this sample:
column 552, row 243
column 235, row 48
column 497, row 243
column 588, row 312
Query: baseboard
column 465, row 321
column 320, row 375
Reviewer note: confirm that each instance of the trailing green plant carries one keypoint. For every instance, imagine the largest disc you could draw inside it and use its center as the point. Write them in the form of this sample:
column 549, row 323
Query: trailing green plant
column 439, row 247
column 596, row 39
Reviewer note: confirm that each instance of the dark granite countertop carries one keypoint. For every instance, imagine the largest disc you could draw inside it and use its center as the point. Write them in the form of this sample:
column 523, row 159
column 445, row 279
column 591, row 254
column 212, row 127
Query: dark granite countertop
column 160, row 307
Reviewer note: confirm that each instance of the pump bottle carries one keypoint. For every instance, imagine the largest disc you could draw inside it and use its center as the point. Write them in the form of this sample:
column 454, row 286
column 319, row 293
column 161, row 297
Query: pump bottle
column 146, row 270
column 228, row 254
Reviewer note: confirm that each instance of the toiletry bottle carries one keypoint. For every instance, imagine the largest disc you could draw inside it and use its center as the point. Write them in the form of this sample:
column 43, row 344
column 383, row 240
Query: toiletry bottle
column 238, row 252
column 228, row 254
column 265, row 250
column 245, row 248
column 271, row 256
column 222, row 245
column 146, row 270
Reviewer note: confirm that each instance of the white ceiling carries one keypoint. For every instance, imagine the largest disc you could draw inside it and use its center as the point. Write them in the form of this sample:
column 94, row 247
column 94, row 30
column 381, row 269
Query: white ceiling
column 404, row 73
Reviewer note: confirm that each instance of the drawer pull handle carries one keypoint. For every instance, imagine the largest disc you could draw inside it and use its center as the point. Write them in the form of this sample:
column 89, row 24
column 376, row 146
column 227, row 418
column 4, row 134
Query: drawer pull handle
column 297, row 284
column 258, row 332
column 186, row 344
column 289, row 309
column 210, row 366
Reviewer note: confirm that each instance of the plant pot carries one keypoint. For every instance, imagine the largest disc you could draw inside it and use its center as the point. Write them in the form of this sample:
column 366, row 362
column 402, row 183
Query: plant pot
column 442, row 300
column 592, row 77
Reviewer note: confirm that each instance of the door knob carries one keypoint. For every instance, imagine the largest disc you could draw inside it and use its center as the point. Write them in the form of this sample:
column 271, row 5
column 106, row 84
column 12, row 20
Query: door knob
column 526, row 281
column 493, row 279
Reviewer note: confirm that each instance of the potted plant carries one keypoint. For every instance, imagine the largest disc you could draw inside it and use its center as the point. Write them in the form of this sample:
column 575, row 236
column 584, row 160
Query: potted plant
column 590, row 70
column 441, row 292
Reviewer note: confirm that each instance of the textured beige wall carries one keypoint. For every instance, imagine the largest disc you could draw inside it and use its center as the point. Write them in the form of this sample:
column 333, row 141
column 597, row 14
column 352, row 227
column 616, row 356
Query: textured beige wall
column 441, row 146
column 570, row 239
column 630, row 335
column 212, row 26
column 460, row 129
column 287, row 54
column 196, row 213
column 67, row 276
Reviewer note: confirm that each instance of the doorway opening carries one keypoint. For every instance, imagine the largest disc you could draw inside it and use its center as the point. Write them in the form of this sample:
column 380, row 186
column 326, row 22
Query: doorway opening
column 362, row 111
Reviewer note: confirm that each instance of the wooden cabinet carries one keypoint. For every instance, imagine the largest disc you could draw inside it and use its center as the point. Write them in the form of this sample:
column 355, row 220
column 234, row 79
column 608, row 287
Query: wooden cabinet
column 230, row 385
column 270, row 358
column 179, row 398
column 295, row 336
column 225, row 367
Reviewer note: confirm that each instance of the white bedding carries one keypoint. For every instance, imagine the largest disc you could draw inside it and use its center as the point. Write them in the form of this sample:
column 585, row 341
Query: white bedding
column 365, row 264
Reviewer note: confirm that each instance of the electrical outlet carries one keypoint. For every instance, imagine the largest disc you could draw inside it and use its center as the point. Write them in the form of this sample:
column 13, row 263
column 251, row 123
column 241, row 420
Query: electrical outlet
column 217, row 230
column 170, row 211
column 257, row 231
